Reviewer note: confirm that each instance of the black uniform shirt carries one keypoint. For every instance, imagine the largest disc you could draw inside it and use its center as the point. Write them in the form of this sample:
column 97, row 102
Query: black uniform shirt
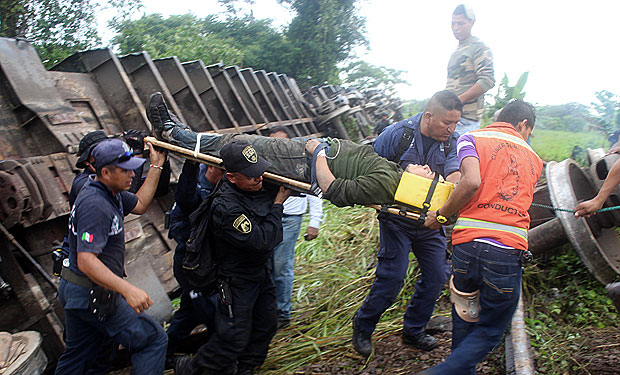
column 245, row 227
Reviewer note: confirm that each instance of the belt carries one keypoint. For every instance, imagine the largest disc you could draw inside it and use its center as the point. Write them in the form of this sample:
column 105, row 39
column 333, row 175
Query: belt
column 76, row 279
column 289, row 215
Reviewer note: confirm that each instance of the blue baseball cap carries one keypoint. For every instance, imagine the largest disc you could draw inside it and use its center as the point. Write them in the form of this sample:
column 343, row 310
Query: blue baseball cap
column 115, row 152
column 239, row 156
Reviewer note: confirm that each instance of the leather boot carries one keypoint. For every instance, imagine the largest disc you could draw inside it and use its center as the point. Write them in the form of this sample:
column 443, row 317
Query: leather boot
column 422, row 341
column 362, row 342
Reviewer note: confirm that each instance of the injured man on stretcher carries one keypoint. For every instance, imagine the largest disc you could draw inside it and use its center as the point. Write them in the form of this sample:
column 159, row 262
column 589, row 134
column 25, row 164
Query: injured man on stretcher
column 346, row 173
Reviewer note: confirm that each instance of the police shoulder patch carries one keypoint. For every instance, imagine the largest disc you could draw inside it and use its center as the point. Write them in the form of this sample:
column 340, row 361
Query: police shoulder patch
column 243, row 224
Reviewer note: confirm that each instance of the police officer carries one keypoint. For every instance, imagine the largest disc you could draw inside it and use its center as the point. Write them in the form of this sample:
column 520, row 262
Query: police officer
column 98, row 303
column 195, row 183
column 428, row 142
column 246, row 225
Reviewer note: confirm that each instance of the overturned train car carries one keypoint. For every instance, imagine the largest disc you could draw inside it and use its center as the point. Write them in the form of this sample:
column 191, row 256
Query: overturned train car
column 45, row 113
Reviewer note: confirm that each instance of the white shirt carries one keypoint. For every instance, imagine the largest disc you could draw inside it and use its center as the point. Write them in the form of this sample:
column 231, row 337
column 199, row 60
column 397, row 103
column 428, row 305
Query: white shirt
column 298, row 205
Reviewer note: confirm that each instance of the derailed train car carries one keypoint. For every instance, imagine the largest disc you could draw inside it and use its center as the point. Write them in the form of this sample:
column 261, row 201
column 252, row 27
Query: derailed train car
column 45, row 113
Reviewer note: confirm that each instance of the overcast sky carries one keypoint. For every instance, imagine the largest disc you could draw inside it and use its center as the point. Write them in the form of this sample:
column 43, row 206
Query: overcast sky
column 570, row 48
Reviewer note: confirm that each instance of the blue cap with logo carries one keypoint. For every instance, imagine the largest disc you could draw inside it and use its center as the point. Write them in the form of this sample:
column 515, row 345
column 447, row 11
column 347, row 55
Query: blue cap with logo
column 115, row 152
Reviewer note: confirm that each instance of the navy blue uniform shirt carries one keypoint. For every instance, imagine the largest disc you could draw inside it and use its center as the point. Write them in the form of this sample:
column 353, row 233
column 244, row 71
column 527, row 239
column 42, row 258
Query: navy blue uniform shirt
column 96, row 225
column 387, row 143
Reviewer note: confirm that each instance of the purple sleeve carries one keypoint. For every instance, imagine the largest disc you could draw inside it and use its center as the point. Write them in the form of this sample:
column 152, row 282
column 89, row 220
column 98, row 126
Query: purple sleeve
column 466, row 146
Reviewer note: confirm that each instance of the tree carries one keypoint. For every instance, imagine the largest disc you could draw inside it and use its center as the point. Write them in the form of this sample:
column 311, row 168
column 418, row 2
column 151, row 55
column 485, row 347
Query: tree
column 364, row 76
column 505, row 93
column 57, row 28
column 184, row 36
column 323, row 34
column 607, row 111
column 246, row 42
column 574, row 117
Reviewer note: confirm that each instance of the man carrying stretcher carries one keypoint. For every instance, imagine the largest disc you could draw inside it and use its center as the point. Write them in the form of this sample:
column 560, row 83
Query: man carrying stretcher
column 345, row 172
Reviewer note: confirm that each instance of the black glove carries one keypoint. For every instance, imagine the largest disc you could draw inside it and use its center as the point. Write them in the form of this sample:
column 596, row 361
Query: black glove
column 135, row 140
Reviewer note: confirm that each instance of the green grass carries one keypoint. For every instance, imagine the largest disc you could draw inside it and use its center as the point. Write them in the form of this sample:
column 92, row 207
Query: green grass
column 559, row 145
column 333, row 274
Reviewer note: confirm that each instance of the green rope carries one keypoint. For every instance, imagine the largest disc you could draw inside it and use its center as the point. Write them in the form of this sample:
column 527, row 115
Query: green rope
column 573, row 211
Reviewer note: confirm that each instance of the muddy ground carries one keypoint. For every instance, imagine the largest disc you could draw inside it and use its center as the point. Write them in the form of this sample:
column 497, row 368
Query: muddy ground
column 595, row 352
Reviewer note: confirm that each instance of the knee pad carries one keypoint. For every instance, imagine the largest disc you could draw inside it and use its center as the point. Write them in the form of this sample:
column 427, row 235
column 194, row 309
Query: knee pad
column 467, row 305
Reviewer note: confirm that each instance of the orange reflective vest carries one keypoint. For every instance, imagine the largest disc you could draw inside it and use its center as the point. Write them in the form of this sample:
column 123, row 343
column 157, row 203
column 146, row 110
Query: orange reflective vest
column 509, row 170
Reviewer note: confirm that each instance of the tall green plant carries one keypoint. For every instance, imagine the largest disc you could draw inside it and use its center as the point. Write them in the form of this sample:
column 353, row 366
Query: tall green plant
column 505, row 93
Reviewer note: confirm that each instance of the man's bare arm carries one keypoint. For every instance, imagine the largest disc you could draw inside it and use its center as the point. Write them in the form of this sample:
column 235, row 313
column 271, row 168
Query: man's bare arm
column 473, row 93
column 147, row 191
column 101, row 275
column 463, row 193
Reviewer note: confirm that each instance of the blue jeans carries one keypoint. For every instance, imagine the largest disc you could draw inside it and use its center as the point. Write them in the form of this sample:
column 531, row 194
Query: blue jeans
column 141, row 335
column 283, row 261
column 396, row 241
column 496, row 272
column 466, row 125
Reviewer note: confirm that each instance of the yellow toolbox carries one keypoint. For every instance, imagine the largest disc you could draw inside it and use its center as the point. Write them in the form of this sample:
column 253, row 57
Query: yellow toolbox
column 413, row 189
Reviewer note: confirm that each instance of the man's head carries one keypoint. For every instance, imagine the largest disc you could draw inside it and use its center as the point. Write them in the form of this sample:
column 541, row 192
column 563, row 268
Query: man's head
column 463, row 19
column 441, row 115
column 280, row 132
column 87, row 143
column 244, row 167
column 212, row 174
column 519, row 114
column 115, row 164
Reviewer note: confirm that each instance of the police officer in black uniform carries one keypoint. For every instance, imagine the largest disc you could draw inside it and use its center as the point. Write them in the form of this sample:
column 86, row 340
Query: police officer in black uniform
column 195, row 183
column 98, row 303
column 246, row 225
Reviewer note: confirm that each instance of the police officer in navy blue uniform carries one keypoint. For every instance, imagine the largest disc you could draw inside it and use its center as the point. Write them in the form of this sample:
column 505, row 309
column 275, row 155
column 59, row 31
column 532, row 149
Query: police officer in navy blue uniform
column 246, row 225
column 99, row 304
column 432, row 143
column 195, row 183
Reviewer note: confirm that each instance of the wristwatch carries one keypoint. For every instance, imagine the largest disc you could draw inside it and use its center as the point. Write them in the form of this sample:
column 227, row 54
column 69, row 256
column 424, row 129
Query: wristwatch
column 440, row 218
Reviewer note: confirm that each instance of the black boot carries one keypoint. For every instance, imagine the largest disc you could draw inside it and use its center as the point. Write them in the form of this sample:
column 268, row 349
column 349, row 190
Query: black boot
column 422, row 341
column 182, row 366
column 160, row 117
column 361, row 341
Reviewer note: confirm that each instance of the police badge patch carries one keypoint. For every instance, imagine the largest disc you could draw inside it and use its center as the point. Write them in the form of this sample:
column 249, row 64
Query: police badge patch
column 250, row 154
column 242, row 223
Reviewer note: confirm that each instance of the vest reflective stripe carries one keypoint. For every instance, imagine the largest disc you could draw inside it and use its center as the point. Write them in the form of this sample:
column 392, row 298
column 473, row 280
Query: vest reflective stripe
column 464, row 223
column 500, row 135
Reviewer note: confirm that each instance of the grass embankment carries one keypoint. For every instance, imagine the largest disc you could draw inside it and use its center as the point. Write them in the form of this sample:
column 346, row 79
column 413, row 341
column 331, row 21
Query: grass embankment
column 558, row 145
column 333, row 274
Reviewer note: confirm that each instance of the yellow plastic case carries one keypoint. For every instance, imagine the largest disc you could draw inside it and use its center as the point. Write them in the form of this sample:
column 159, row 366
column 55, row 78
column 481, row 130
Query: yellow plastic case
column 412, row 190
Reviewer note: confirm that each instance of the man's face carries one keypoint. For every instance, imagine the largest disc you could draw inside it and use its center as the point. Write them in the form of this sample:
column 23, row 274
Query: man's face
column 245, row 183
column 441, row 124
column 461, row 27
column 118, row 179
column 278, row 135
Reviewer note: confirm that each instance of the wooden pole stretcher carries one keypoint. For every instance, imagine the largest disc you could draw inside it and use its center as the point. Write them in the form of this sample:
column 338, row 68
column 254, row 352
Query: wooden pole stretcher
column 296, row 185
column 217, row 162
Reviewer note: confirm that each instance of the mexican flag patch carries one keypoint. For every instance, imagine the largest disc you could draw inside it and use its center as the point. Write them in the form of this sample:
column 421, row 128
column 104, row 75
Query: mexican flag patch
column 87, row 237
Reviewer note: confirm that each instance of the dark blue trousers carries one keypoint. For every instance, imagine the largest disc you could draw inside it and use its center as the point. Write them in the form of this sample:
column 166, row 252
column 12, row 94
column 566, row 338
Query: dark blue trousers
column 396, row 241
column 496, row 272
column 141, row 335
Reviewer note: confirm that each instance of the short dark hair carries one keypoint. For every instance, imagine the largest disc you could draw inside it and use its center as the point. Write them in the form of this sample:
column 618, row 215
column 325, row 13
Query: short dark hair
column 98, row 170
column 466, row 12
column 283, row 129
column 516, row 111
column 446, row 100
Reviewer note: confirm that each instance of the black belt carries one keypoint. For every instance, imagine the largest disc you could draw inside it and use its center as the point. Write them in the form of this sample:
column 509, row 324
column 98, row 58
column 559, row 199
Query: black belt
column 76, row 279
column 289, row 215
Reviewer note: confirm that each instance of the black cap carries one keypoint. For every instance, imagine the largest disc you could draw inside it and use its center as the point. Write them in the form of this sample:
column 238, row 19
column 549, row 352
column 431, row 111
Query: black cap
column 116, row 152
column 86, row 146
column 241, row 157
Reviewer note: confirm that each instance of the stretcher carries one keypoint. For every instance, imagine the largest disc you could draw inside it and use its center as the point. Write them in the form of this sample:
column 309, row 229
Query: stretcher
column 410, row 203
